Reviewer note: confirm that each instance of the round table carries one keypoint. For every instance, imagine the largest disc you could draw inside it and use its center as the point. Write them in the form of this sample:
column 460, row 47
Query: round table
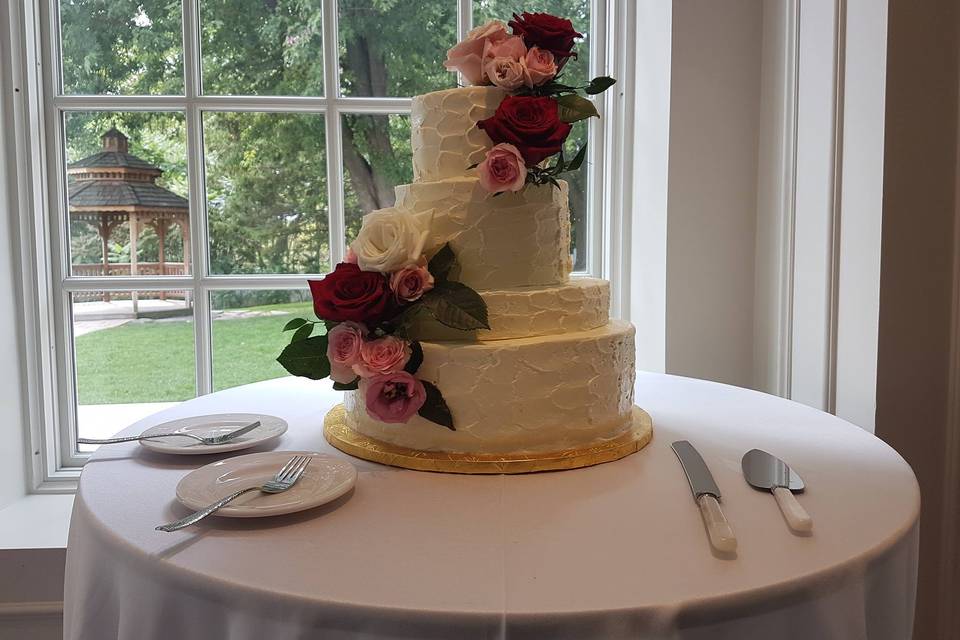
column 612, row 551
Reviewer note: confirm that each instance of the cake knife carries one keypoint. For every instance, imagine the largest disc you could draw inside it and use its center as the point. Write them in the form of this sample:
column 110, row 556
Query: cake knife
column 769, row 473
column 707, row 496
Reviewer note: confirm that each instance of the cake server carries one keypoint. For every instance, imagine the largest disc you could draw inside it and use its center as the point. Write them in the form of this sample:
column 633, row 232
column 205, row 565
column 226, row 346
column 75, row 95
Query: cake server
column 707, row 496
column 769, row 473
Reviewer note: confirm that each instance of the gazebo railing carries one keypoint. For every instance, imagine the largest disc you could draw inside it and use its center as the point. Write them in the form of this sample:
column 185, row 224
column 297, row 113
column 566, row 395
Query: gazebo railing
column 123, row 269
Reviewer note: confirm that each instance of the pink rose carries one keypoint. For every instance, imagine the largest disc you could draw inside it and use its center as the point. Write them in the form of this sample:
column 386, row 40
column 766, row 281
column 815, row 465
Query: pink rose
column 393, row 398
column 503, row 169
column 539, row 67
column 351, row 257
column 410, row 283
column 506, row 73
column 343, row 350
column 467, row 56
column 511, row 47
column 384, row 355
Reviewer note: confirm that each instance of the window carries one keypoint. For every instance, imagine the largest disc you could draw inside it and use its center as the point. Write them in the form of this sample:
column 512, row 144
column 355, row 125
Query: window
column 202, row 158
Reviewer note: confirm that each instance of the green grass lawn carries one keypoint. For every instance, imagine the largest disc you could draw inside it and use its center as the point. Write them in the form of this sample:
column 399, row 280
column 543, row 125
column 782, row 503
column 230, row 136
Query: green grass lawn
column 154, row 361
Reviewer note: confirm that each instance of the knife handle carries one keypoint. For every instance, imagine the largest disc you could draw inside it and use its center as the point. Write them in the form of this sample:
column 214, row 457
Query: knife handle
column 721, row 534
column 793, row 512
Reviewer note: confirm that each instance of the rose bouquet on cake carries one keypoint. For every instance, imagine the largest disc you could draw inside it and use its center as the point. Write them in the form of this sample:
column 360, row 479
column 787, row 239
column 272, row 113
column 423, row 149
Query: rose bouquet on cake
column 363, row 310
column 532, row 124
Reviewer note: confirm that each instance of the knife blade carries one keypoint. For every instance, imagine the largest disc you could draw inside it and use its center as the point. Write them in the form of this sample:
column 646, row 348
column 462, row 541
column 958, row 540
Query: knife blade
column 767, row 472
column 706, row 494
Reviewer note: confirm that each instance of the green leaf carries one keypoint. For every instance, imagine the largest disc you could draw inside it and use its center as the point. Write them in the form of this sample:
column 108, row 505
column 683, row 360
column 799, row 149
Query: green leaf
column 442, row 263
column 574, row 108
column 296, row 323
column 435, row 408
column 302, row 333
column 416, row 358
column 306, row 358
column 578, row 159
column 599, row 85
column 457, row 306
column 349, row 386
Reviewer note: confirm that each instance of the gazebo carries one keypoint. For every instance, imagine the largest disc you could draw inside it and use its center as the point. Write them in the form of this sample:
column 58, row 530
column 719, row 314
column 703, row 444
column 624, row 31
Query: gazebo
column 113, row 186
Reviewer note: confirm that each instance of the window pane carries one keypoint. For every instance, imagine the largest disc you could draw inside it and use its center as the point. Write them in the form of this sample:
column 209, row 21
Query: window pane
column 121, row 47
column 262, row 48
column 248, row 333
column 376, row 158
column 127, row 195
column 395, row 48
column 266, row 179
column 577, row 11
column 134, row 354
column 578, row 197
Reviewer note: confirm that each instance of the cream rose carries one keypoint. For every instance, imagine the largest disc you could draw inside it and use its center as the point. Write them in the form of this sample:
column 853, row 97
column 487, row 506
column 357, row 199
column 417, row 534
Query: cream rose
column 467, row 56
column 506, row 73
column 389, row 240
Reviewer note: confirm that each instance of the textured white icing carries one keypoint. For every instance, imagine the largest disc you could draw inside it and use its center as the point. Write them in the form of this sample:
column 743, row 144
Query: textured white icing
column 546, row 393
column 579, row 305
column 511, row 240
column 443, row 133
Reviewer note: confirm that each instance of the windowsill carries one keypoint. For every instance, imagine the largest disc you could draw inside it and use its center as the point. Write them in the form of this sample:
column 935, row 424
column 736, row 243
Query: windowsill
column 36, row 522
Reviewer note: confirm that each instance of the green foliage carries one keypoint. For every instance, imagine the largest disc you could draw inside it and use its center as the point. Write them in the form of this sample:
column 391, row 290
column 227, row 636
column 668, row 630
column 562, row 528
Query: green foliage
column 435, row 408
column 306, row 358
column 457, row 306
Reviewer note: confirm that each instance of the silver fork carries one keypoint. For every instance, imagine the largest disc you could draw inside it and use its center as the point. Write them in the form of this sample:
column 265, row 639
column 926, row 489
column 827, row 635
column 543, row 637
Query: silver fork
column 221, row 439
column 285, row 478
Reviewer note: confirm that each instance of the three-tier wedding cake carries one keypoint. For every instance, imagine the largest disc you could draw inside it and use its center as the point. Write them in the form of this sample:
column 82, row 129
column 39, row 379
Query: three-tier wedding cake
column 517, row 366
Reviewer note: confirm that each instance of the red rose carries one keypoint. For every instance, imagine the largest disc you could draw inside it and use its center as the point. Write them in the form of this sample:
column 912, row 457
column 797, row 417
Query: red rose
column 530, row 124
column 351, row 294
column 547, row 32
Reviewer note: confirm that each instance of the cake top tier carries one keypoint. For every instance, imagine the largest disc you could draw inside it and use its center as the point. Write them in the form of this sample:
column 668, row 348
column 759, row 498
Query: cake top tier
column 444, row 133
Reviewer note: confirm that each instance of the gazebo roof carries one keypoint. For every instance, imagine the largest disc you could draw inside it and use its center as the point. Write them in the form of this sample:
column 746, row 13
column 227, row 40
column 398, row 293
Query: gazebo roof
column 117, row 193
column 115, row 180
column 113, row 159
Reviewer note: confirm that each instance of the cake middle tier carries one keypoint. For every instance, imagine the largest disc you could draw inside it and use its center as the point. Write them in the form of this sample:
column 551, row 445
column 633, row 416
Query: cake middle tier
column 580, row 304
column 510, row 240
column 543, row 394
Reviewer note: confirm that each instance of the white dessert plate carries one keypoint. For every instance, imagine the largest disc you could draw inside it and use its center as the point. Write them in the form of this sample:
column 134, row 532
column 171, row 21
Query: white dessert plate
column 271, row 427
column 325, row 479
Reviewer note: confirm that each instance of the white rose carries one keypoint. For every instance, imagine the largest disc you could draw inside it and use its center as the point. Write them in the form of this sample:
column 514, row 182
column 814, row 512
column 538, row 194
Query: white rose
column 389, row 240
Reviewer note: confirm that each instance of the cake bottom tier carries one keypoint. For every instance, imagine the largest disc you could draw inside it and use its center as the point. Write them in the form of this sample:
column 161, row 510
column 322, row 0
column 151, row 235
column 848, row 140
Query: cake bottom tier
column 524, row 395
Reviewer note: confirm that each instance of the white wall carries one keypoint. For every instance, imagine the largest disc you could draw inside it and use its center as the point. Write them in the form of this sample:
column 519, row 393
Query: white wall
column 712, row 190
column 12, row 471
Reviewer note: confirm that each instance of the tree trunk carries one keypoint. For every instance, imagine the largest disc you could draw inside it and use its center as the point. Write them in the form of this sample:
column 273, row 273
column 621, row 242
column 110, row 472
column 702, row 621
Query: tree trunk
column 373, row 186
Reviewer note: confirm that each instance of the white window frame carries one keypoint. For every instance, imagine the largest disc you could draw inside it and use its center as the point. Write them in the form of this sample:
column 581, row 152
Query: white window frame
column 46, row 284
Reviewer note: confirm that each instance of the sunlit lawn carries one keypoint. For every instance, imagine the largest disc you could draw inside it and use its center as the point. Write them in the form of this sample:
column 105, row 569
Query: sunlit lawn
column 154, row 361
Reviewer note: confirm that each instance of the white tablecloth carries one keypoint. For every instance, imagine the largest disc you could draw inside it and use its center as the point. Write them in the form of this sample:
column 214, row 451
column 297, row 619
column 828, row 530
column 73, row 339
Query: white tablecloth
column 612, row 551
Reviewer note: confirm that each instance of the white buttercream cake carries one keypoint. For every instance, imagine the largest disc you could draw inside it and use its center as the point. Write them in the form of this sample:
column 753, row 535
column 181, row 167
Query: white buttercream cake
column 552, row 373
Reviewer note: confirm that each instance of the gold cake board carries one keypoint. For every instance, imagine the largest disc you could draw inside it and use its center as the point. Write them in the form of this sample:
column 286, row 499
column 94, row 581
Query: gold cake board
column 356, row 444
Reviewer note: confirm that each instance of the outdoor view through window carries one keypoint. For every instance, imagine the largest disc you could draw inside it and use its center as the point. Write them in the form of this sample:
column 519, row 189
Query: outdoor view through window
column 248, row 119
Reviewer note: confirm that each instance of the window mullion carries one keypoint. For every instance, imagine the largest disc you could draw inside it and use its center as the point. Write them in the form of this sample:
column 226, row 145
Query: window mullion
column 196, row 193
column 331, row 90
column 464, row 18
